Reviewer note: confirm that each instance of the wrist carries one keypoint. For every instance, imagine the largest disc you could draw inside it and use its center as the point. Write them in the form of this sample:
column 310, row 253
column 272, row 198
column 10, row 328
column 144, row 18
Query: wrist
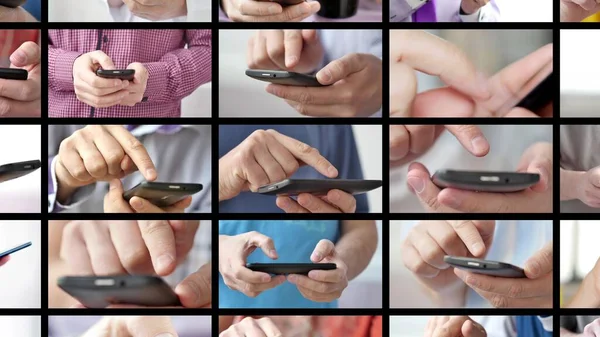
column 570, row 181
column 587, row 295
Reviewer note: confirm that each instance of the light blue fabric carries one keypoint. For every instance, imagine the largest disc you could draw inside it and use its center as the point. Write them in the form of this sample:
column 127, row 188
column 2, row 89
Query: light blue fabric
column 294, row 241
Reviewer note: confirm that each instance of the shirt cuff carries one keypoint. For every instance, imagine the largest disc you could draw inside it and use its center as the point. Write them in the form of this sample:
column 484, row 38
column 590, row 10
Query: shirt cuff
column 158, row 78
column 471, row 17
column 80, row 196
column 546, row 322
column 62, row 68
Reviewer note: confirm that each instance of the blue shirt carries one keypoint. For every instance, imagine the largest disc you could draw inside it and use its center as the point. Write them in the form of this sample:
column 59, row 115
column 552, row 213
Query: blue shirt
column 34, row 8
column 335, row 142
column 530, row 326
column 294, row 242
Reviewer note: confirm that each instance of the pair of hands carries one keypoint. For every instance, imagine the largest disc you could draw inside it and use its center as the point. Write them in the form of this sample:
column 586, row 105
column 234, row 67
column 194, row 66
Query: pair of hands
column 353, row 82
column 99, row 92
column 267, row 157
column 23, row 98
column 318, row 285
column 408, row 142
column 132, row 326
column 468, row 93
column 261, row 327
column 582, row 185
column 107, row 153
column 152, row 247
column 453, row 326
column 472, row 6
column 154, row 10
column 577, row 10
column 426, row 245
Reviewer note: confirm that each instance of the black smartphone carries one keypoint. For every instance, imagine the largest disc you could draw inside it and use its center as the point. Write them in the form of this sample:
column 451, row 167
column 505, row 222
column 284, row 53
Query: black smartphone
column 284, row 77
column 289, row 268
column 485, row 267
column 122, row 74
column 285, row 3
column 162, row 194
column 14, row 74
column 482, row 181
column 15, row 249
column 536, row 94
column 11, row 3
column 16, row 170
column 102, row 291
column 292, row 187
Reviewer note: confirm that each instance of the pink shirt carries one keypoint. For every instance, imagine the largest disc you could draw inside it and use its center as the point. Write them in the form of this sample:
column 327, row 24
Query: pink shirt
column 174, row 70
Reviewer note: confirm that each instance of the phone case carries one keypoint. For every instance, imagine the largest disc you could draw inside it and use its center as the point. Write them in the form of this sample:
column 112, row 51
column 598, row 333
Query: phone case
column 289, row 268
column 14, row 74
column 102, row 291
column 294, row 187
column 284, row 77
column 162, row 194
column 15, row 249
column 16, row 170
column 12, row 3
column 486, row 267
column 485, row 181
column 122, row 74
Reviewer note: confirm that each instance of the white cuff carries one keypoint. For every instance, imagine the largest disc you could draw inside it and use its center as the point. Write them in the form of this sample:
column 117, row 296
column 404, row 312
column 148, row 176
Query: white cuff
column 80, row 196
column 471, row 17
column 546, row 322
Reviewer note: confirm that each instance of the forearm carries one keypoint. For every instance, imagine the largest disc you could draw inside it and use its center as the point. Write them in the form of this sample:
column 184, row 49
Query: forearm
column 357, row 245
column 569, row 184
column 60, row 68
column 586, row 296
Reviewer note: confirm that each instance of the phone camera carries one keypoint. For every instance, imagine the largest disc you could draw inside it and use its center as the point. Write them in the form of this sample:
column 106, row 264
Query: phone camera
column 122, row 284
column 507, row 180
column 485, row 266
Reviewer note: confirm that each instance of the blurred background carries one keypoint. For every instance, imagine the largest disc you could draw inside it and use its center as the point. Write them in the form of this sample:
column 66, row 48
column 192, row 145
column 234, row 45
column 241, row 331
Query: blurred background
column 489, row 50
column 525, row 11
column 579, row 86
column 22, row 326
column 21, row 275
column 579, row 252
column 21, row 143
column 368, row 142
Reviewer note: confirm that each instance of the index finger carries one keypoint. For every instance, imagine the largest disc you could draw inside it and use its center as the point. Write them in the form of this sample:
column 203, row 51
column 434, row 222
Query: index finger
column 451, row 328
column 469, row 234
column 292, row 43
column 540, row 263
column 160, row 241
column 306, row 153
column 329, row 276
column 136, row 151
column 435, row 56
column 471, row 138
column 28, row 53
column 150, row 326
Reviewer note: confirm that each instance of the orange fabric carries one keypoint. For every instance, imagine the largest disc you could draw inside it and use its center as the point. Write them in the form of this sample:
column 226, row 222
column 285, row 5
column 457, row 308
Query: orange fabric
column 11, row 39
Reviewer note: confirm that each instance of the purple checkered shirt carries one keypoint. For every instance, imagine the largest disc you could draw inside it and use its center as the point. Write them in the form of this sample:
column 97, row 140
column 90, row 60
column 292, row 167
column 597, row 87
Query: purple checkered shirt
column 174, row 71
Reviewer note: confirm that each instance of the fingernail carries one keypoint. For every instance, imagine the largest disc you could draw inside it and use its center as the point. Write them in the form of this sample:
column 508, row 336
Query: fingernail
column 333, row 172
column 273, row 253
column 266, row 278
column 479, row 144
column 417, row 184
column 291, row 60
column 113, row 185
column 477, row 248
column 164, row 261
column 333, row 196
column 151, row 172
column 285, row 202
column 273, row 9
column 534, row 267
column 303, row 9
column 326, row 74
column 137, row 203
column 19, row 57
column 292, row 278
column 317, row 256
column 165, row 335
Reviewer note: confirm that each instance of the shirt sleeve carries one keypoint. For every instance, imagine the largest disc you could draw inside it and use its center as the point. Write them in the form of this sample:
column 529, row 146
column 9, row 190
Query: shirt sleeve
column 351, row 168
column 60, row 68
column 178, row 73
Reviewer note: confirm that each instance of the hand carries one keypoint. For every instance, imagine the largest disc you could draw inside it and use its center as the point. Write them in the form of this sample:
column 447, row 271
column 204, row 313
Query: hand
column 17, row 14
column 4, row 260
column 336, row 201
column 472, row 6
column 99, row 153
column 249, row 326
column 267, row 11
column 266, row 157
column 137, row 88
column 132, row 247
column 23, row 98
column 132, row 326
column 114, row 202
column 535, row 291
column 454, row 326
column 408, row 142
column 94, row 90
column 354, row 89
column 588, row 294
column 323, row 285
column 577, row 10
column 297, row 50
column 233, row 252
column 156, row 10
column 538, row 198
column 592, row 329
column 429, row 241
column 585, row 186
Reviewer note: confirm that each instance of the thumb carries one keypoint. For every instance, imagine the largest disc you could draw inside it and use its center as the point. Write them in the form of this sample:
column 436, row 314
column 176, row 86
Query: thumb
column 470, row 236
column 263, row 242
column 150, row 326
column 113, row 200
column 323, row 249
column 195, row 291
column 486, row 230
column 543, row 167
column 341, row 68
column 102, row 59
column 28, row 53
column 471, row 138
column 540, row 263
column 310, row 36
column 473, row 329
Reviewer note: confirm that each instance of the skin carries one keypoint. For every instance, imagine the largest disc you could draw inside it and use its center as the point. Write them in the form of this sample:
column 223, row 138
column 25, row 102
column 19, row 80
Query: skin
column 17, row 14
column 468, row 93
column 351, row 254
column 577, row 10
column 266, row 11
column 132, row 326
column 472, row 6
column 590, row 330
column 453, row 326
column 581, row 185
column 23, row 98
column 137, row 87
column 261, row 327
column 588, row 294
column 124, row 247
column 155, row 10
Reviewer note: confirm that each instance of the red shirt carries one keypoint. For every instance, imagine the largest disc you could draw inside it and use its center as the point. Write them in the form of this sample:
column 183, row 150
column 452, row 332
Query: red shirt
column 11, row 39
column 174, row 71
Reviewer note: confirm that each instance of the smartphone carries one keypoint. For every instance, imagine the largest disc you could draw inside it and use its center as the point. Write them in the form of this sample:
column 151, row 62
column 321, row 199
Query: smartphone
column 285, row 3
column 293, row 187
column 16, row 170
column 122, row 74
column 485, row 267
column 102, row 291
column 481, row 181
column 14, row 74
column 11, row 3
column 284, row 77
column 15, row 249
column 535, row 94
column 289, row 268
column 162, row 194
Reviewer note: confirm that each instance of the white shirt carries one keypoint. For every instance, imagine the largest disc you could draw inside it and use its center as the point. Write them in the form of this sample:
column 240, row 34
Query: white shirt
column 198, row 11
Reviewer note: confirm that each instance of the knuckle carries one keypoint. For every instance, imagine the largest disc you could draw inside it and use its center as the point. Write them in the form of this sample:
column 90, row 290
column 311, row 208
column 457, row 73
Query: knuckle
column 114, row 156
column 78, row 171
column 515, row 290
column 305, row 98
column 306, row 149
column 499, row 301
column 431, row 254
column 134, row 144
column 276, row 50
column 153, row 227
column 4, row 106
